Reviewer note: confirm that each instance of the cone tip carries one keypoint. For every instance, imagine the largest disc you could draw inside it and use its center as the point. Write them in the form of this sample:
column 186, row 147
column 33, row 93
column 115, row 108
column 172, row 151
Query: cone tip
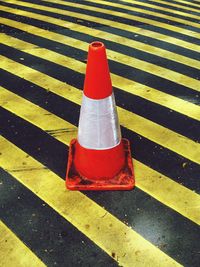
column 97, row 83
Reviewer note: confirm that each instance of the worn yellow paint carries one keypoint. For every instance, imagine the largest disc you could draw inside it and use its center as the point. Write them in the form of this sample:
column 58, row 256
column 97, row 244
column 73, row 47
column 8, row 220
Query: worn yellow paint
column 138, row 89
column 106, row 231
column 157, row 8
column 157, row 133
column 95, row 33
column 188, row 3
column 115, row 56
column 127, row 16
column 13, row 252
column 170, row 193
column 148, row 12
column 47, row 121
column 133, row 29
column 179, row 5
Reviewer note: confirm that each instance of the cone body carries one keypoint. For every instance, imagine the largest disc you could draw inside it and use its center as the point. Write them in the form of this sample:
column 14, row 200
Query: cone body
column 99, row 158
column 99, row 151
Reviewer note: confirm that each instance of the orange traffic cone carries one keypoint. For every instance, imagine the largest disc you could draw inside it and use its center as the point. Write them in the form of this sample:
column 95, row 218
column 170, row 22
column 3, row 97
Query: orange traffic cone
column 99, row 159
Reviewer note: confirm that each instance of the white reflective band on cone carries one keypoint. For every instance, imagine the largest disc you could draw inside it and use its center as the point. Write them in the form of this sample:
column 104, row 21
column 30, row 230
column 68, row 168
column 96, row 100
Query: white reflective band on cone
column 98, row 123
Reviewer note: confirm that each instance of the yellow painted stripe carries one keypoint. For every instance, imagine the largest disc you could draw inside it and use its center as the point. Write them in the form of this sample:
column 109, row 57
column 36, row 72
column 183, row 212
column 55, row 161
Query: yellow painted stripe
column 106, row 231
column 148, row 12
column 154, row 132
column 157, row 8
column 190, row 2
column 128, row 16
column 107, row 22
column 115, row 56
column 13, row 252
column 170, row 193
column 100, row 226
column 45, row 120
column 79, row 66
column 135, row 88
column 176, row 5
column 184, row 2
column 96, row 33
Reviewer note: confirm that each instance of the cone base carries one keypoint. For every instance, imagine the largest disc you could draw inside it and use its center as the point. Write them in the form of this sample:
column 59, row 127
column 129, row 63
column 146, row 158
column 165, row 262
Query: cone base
column 124, row 180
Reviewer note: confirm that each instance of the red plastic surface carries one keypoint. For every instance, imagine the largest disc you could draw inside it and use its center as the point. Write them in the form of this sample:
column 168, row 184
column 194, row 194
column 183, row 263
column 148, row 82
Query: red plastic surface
column 97, row 164
column 97, row 83
column 123, row 180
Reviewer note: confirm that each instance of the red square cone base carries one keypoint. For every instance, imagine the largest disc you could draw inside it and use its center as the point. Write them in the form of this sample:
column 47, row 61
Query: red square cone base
column 124, row 180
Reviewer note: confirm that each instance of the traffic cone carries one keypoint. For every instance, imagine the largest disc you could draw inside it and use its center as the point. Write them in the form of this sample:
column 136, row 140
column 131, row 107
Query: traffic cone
column 99, row 159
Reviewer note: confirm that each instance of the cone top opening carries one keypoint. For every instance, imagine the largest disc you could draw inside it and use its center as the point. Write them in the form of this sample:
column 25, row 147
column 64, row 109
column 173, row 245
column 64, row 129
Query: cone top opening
column 97, row 83
column 96, row 45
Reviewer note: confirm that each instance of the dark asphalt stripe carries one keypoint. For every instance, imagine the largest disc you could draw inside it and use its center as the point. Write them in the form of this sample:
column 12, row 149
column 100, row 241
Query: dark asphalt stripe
column 151, row 154
column 195, row 2
column 44, row 231
column 52, row 153
column 137, row 13
column 120, row 69
column 152, row 111
column 153, row 9
column 161, row 226
column 159, row 114
column 52, row 27
column 172, row 7
column 183, row 4
column 74, row 52
column 125, row 21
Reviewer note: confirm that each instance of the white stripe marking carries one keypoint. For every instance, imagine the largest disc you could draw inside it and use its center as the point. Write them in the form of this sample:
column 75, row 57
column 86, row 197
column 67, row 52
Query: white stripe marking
column 98, row 123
